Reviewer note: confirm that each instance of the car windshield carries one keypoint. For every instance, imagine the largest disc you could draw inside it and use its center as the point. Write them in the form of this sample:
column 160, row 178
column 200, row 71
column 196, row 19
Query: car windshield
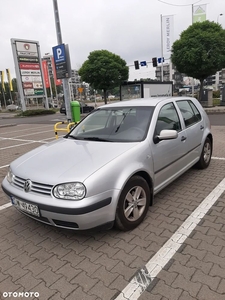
column 114, row 124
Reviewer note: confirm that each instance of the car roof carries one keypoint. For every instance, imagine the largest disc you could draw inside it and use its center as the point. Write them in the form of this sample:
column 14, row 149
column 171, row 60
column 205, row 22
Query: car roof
column 151, row 101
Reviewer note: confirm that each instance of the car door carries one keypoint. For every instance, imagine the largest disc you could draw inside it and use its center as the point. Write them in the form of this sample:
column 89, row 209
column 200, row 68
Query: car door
column 194, row 127
column 168, row 155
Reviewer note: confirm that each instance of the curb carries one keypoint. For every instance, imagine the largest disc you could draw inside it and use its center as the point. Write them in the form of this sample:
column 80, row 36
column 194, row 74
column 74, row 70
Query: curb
column 7, row 125
column 214, row 111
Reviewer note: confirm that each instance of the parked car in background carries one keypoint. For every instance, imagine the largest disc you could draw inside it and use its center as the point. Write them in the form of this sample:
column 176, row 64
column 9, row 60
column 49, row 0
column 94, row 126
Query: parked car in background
column 111, row 164
column 84, row 108
column 52, row 104
column 12, row 107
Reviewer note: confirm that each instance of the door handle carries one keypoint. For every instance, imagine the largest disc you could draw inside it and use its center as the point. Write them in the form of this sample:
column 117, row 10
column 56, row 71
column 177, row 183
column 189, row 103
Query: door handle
column 183, row 138
column 201, row 127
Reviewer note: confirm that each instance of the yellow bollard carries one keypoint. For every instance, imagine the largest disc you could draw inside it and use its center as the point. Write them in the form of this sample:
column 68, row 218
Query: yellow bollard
column 67, row 129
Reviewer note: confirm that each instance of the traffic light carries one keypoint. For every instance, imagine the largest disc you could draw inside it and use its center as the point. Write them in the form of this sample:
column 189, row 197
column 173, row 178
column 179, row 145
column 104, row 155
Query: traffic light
column 136, row 64
column 154, row 62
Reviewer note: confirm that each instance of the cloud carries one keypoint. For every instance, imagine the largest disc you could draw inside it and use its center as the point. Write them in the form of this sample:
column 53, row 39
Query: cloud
column 130, row 29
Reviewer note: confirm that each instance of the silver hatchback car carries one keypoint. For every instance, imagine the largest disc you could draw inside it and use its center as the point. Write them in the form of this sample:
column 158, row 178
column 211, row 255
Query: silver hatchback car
column 107, row 170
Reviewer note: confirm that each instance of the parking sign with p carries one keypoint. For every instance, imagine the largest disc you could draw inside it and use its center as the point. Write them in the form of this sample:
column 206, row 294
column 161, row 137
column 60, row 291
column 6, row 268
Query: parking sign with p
column 59, row 53
column 62, row 61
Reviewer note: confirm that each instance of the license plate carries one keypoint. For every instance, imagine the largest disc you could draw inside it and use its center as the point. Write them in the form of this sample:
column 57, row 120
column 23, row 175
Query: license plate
column 27, row 207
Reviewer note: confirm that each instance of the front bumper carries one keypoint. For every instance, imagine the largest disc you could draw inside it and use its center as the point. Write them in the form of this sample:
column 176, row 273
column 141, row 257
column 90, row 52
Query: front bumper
column 84, row 214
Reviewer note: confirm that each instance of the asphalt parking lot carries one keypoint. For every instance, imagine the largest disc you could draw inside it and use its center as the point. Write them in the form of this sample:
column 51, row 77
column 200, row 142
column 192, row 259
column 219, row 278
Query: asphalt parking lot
column 178, row 252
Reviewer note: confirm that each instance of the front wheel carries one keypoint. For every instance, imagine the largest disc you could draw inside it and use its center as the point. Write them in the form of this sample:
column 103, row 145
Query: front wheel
column 206, row 154
column 133, row 204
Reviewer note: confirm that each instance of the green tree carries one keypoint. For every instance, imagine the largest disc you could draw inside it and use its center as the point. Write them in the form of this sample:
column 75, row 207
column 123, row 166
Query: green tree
column 8, row 95
column 104, row 70
column 14, row 84
column 200, row 51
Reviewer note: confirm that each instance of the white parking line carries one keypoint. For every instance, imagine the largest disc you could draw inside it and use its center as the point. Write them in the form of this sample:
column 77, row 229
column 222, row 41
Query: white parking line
column 26, row 129
column 4, row 166
column 220, row 158
column 5, row 206
column 32, row 142
column 44, row 141
column 18, row 140
column 34, row 133
column 142, row 280
column 52, row 138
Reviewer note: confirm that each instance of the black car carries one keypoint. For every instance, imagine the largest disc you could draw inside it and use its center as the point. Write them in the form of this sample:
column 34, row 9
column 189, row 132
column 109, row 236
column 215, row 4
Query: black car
column 84, row 108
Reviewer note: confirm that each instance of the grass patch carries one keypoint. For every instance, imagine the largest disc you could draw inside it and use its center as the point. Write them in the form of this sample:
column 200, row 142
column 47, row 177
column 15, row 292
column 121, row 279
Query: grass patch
column 216, row 102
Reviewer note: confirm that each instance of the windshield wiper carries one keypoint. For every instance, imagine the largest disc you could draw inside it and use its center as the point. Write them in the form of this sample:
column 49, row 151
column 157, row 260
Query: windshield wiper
column 95, row 138
column 124, row 116
column 73, row 137
column 91, row 138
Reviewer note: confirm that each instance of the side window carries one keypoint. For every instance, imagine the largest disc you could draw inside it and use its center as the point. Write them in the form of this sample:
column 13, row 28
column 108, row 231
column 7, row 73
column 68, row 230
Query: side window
column 167, row 119
column 196, row 111
column 189, row 112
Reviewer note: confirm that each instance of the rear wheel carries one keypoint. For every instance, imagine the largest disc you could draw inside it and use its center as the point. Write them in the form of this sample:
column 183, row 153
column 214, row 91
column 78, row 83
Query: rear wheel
column 133, row 204
column 206, row 154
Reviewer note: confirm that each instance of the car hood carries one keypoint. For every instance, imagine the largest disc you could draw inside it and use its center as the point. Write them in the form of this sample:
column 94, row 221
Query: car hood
column 67, row 160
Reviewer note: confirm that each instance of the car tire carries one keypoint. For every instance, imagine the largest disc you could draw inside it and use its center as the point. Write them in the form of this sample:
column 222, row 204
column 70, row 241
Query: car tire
column 206, row 154
column 133, row 204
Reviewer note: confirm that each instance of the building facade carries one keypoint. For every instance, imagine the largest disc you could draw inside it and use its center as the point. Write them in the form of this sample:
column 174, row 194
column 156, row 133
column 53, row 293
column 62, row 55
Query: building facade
column 170, row 74
column 78, row 90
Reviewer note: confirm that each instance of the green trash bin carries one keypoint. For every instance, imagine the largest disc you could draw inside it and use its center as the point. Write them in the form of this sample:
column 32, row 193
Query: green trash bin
column 75, row 111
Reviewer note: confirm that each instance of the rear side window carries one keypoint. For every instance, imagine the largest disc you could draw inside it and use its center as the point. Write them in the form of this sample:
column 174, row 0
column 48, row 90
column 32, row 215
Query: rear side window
column 189, row 112
column 167, row 119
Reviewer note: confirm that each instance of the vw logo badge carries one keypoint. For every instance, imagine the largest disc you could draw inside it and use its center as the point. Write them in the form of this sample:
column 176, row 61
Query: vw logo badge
column 27, row 186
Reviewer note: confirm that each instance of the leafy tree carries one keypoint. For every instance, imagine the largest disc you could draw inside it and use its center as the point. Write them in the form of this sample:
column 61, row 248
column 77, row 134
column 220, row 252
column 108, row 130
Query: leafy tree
column 115, row 91
column 200, row 51
column 6, row 94
column 104, row 70
column 14, row 84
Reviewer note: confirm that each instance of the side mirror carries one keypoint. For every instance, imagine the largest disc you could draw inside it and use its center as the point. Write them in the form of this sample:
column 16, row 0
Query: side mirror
column 166, row 135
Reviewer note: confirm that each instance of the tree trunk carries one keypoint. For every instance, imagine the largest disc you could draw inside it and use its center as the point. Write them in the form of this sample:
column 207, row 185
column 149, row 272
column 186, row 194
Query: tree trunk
column 105, row 96
column 201, row 89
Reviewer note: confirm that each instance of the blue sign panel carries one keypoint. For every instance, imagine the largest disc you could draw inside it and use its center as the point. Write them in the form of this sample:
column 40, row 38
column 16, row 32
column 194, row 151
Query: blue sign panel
column 59, row 53
column 62, row 62
column 160, row 60
column 136, row 88
column 143, row 63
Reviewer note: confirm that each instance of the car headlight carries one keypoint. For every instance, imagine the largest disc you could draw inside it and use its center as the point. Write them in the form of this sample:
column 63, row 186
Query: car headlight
column 10, row 176
column 70, row 191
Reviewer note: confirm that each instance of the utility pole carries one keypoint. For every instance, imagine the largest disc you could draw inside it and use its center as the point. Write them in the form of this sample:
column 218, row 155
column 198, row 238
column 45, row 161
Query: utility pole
column 65, row 81
column 161, row 48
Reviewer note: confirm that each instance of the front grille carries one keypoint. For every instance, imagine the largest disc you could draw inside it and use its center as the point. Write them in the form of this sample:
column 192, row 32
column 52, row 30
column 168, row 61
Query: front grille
column 36, row 187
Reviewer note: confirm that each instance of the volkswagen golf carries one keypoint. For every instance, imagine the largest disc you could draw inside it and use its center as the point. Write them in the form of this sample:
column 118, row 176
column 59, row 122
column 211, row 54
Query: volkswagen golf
column 108, row 168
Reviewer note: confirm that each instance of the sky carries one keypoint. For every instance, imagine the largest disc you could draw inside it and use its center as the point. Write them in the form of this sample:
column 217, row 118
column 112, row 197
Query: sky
column 128, row 28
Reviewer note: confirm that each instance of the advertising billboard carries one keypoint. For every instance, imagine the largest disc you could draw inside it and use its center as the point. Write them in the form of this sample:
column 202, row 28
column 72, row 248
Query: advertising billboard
column 45, row 73
column 28, row 67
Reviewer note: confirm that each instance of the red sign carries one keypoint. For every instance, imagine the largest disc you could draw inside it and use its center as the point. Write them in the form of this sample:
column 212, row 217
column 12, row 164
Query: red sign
column 45, row 73
column 29, row 66
column 57, row 81
column 27, row 85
